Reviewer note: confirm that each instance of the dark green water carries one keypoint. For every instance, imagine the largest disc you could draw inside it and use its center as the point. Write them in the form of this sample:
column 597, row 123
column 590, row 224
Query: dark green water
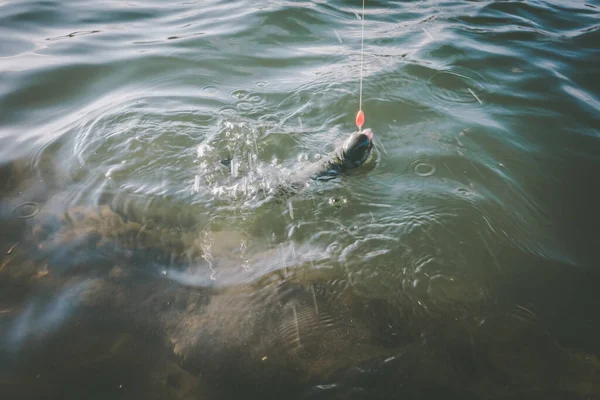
column 460, row 262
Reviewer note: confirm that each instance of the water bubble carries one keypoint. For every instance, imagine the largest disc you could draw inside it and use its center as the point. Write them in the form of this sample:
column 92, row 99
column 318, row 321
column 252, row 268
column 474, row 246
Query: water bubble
column 327, row 387
column 261, row 83
column 422, row 167
column 244, row 106
column 420, row 284
column 333, row 248
column 202, row 150
column 210, row 89
column 254, row 99
column 227, row 111
column 337, row 201
column 26, row 210
column 302, row 157
column 239, row 94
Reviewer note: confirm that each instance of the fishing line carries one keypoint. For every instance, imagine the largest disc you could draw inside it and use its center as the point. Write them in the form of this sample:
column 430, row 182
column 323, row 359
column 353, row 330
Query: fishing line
column 360, row 117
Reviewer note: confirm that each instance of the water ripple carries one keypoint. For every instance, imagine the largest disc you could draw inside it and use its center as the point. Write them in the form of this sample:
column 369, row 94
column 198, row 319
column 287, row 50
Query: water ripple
column 152, row 138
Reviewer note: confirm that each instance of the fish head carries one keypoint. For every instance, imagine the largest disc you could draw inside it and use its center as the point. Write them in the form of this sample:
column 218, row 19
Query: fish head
column 357, row 148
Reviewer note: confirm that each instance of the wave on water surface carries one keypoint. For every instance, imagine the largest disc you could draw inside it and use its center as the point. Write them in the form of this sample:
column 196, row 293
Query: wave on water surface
column 141, row 146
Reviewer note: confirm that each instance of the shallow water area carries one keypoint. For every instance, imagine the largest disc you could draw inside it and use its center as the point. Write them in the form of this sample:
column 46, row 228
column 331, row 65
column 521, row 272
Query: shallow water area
column 156, row 241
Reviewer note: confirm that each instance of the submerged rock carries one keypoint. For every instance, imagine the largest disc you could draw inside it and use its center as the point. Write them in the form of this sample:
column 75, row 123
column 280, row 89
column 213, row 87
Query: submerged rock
column 101, row 292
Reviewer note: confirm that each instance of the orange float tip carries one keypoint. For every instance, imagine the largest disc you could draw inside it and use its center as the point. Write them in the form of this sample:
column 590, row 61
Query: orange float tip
column 360, row 119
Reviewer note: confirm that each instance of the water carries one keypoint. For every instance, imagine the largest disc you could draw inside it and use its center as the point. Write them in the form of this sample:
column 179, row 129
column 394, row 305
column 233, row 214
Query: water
column 144, row 256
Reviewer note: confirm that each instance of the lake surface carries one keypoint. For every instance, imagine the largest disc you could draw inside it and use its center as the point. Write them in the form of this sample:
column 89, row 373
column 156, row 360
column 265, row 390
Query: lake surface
column 143, row 255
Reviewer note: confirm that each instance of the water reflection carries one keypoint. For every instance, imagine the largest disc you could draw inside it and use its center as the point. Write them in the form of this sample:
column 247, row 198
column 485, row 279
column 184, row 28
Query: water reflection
column 39, row 319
